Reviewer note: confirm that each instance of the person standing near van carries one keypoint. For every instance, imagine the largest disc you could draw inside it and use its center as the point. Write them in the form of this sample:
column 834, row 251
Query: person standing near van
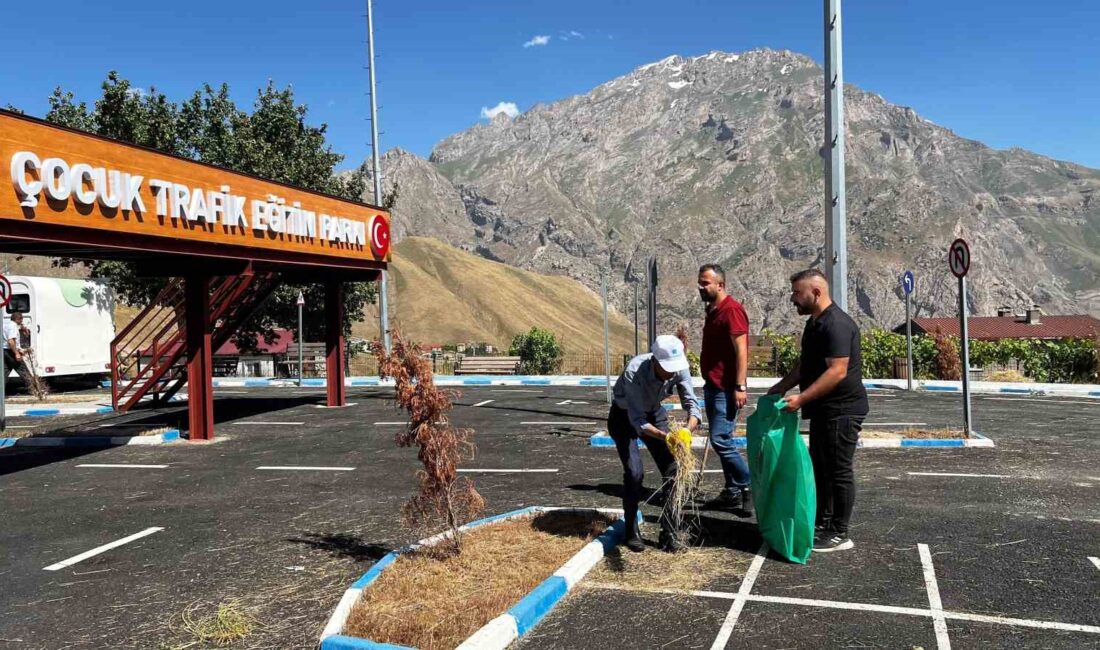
column 13, row 352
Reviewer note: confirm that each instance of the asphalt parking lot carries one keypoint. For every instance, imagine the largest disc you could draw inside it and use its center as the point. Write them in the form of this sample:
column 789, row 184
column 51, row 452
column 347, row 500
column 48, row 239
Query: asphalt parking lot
column 294, row 502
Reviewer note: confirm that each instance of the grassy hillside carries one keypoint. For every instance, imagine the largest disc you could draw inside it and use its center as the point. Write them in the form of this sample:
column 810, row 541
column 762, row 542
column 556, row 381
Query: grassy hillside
column 440, row 294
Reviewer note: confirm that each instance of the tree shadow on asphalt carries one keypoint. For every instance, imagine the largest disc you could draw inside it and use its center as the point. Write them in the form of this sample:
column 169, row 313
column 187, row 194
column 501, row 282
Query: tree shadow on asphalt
column 343, row 545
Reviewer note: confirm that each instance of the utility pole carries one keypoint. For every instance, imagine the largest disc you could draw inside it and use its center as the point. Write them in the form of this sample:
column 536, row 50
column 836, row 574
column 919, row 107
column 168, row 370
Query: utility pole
column 651, row 300
column 636, row 353
column 383, row 297
column 606, row 338
column 836, row 229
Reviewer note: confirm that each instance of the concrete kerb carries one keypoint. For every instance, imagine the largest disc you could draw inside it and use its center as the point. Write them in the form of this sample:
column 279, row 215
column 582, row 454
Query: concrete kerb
column 171, row 435
column 602, row 439
column 979, row 387
column 504, row 629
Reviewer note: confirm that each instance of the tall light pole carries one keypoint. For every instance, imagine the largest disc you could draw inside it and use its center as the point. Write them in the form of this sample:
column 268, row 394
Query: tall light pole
column 836, row 230
column 301, row 335
column 383, row 297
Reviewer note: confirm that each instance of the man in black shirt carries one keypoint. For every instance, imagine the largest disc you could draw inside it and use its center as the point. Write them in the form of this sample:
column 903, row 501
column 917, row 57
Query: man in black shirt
column 831, row 395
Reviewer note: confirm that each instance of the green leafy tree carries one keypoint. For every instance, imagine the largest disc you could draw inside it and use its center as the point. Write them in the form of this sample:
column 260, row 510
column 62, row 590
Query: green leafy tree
column 272, row 141
column 539, row 351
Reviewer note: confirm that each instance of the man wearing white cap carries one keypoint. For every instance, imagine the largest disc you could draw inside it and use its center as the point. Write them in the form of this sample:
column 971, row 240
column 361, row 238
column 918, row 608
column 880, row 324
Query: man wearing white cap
column 637, row 413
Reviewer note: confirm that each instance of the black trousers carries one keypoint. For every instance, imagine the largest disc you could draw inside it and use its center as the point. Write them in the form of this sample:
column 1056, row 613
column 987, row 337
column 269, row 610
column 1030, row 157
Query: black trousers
column 626, row 443
column 20, row 368
column 833, row 453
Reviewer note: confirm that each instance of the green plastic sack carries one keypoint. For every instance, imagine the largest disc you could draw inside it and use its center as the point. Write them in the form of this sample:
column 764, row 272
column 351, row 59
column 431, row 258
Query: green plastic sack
column 782, row 480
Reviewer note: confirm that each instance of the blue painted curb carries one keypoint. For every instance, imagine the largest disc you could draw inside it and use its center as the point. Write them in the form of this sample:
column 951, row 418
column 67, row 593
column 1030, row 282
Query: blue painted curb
column 933, row 443
column 91, row 441
column 942, row 389
column 1019, row 391
column 375, row 570
column 341, row 642
column 526, row 614
column 534, row 382
column 38, row 413
column 537, row 604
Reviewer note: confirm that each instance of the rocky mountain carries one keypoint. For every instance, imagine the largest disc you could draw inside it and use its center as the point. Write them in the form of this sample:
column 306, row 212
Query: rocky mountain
column 443, row 295
column 716, row 158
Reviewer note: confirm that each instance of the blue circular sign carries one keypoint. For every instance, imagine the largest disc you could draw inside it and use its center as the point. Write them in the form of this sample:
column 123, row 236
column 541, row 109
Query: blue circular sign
column 908, row 283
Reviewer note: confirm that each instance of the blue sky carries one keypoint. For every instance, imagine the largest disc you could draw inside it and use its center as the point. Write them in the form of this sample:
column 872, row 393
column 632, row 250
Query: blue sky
column 1007, row 73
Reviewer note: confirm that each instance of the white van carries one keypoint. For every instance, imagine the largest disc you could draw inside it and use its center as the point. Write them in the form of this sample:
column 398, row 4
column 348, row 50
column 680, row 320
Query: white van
column 71, row 324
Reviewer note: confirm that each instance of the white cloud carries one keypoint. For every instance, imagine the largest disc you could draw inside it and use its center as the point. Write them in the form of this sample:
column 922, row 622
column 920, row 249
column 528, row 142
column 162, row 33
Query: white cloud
column 537, row 40
column 508, row 108
column 136, row 91
column 576, row 33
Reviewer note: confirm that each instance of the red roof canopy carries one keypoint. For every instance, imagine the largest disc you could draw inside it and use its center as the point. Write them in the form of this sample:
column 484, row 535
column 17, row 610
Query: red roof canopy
column 1007, row 327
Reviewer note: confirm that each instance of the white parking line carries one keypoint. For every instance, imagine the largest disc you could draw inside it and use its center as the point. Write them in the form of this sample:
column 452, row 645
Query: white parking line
column 101, row 549
column 588, row 423
column 1048, row 401
column 894, row 424
column 273, row 423
column 570, row 401
column 106, row 465
column 866, row 607
column 739, row 603
column 965, row 475
column 510, row 471
column 306, row 468
column 1095, row 561
column 483, row 403
column 390, row 424
column 939, row 623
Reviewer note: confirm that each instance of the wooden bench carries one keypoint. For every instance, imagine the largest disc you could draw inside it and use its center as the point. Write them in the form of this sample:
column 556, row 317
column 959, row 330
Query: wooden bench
column 761, row 359
column 313, row 360
column 487, row 366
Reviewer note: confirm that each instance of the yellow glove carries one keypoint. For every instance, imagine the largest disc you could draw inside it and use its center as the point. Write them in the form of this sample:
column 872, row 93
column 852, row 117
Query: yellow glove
column 679, row 437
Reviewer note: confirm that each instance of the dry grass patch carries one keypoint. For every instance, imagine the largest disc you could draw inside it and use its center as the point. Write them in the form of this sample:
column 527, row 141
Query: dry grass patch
column 681, row 571
column 916, row 434
column 228, row 623
column 431, row 601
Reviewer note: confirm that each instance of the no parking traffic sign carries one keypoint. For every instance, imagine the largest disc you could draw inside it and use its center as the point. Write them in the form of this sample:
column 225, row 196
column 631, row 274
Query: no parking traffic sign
column 958, row 258
column 5, row 291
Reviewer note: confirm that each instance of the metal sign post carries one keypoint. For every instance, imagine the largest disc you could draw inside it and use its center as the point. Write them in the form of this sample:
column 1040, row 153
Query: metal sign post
column 606, row 342
column 301, row 344
column 651, row 302
column 907, row 285
column 958, row 258
column 5, row 298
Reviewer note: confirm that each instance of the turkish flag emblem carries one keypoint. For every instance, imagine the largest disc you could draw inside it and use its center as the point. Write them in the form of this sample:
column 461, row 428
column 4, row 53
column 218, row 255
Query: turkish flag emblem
column 379, row 236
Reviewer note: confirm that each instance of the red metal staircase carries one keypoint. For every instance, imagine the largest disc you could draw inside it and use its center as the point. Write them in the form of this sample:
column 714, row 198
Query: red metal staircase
column 148, row 355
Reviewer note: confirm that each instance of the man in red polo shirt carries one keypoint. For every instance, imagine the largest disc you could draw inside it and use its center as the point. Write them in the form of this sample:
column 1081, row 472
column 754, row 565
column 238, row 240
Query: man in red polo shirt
column 724, row 363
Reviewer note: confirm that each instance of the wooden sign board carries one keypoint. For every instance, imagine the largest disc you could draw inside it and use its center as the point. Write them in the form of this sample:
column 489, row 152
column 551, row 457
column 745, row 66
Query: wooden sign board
column 63, row 182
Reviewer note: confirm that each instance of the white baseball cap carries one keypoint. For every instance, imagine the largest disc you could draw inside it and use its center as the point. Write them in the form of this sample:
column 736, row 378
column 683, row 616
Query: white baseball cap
column 669, row 353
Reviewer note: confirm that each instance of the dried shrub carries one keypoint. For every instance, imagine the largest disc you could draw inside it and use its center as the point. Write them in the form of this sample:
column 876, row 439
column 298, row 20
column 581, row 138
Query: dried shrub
column 36, row 385
column 684, row 487
column 948, row 365
column 443, row 498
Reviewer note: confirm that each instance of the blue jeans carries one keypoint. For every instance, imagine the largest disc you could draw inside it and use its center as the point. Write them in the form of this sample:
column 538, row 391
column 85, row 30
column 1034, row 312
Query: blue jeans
column 722, row 418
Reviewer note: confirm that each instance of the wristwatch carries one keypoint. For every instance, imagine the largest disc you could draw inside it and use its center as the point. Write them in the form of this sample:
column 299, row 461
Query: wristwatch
column 741, row 388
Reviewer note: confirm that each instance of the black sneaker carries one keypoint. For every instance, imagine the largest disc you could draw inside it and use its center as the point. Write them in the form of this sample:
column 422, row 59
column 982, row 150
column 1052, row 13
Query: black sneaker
column 726, row 500
column 635, row 543
column 672, row 543
column 831, row 540
column 746, row 502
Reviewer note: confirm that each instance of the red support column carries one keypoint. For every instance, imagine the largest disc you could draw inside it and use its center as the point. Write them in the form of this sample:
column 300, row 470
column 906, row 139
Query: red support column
column 200, row 383
column 334, row 342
